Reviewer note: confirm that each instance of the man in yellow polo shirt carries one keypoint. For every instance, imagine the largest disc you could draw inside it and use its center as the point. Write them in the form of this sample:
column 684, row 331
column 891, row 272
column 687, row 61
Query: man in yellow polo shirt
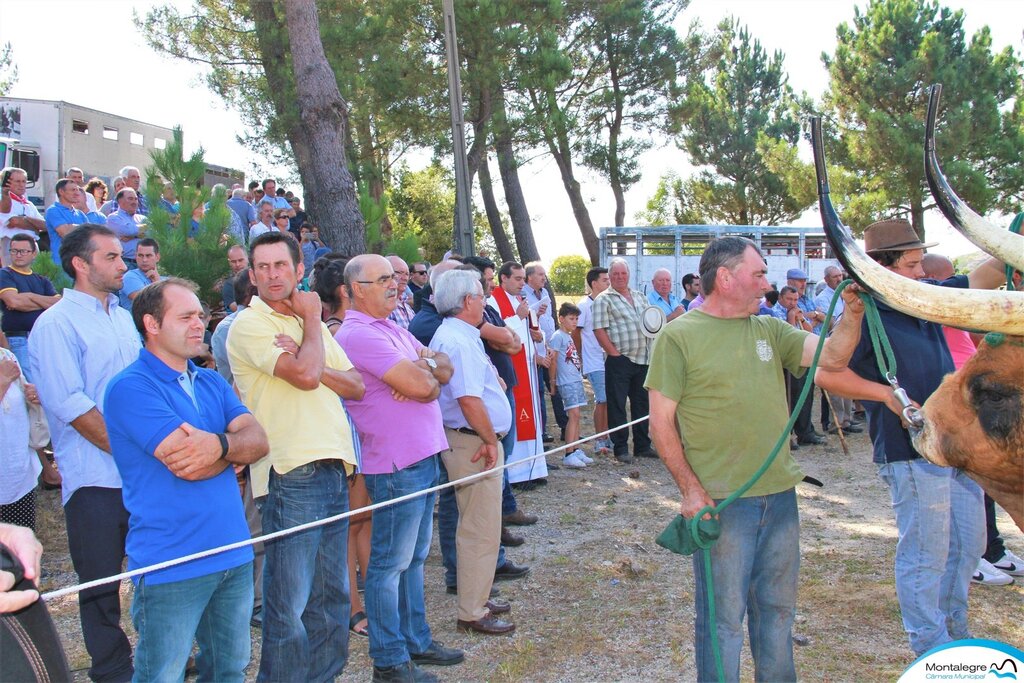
column 294, row 394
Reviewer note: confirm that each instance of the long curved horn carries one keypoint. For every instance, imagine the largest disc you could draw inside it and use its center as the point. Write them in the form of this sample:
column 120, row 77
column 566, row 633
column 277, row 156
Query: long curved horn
column 990, row 238
column 974, row 309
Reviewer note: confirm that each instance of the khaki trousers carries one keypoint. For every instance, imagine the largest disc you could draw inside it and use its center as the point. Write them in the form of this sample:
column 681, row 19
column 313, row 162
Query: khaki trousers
column 479, row 531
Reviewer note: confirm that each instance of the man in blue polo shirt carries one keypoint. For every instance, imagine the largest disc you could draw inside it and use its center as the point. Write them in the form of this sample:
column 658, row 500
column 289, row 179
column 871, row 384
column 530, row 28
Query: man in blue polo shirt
column 175, row 451
column 128, row 222
column 939, row 510
column 62, row 217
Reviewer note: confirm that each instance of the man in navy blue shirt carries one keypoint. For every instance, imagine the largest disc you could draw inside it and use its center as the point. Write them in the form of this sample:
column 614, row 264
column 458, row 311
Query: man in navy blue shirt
column 175, row 451
column 939, row 510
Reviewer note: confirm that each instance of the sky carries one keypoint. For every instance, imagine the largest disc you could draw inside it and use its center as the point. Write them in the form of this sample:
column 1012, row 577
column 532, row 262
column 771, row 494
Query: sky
column 91, row 54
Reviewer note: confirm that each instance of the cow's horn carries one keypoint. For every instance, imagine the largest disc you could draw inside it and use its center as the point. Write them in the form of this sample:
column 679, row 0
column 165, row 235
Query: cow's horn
column 972, row 309
column 1003, row 244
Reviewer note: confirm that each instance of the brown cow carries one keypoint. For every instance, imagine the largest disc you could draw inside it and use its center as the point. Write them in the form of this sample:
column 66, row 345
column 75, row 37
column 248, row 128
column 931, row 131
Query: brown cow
column 975, row 421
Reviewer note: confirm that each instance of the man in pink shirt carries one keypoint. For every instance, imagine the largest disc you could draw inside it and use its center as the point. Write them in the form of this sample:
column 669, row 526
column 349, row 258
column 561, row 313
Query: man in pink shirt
column 403, row 379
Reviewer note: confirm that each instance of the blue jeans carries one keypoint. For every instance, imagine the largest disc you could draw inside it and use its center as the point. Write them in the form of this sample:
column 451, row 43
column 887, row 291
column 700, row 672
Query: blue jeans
column 212, row 609
column 940, row 516
column 755, row 565
column 447, row 526
column 399, row 544
column 305, row 576
column 19, row 347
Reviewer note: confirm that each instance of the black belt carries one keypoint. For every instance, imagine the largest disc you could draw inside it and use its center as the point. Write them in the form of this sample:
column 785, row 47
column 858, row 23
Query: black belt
column 467, row 430
column 16, row 334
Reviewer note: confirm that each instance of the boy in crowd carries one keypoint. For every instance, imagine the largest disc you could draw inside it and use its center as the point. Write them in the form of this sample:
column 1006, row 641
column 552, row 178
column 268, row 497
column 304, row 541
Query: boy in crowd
column 567, row 380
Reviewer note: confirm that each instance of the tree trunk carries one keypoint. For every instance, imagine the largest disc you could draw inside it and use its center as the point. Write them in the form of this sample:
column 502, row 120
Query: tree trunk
column 557, row 138
column 522, row 228
column 323, row 114
column 372, row 168
column 501, row 241
column 917, row 216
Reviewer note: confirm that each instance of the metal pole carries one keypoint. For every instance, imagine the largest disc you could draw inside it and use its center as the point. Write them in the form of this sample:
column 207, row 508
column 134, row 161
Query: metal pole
column 463, row 238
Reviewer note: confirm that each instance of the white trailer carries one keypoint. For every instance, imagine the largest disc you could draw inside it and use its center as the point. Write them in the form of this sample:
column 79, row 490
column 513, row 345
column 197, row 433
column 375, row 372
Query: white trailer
column 66, row 135
column 679, row 248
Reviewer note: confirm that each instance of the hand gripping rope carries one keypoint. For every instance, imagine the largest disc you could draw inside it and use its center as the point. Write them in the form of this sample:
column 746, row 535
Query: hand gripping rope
column 687, row 535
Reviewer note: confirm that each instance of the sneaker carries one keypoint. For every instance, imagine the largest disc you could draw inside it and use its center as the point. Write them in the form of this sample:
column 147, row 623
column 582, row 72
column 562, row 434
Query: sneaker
column 1010, row 564
column 604, row 445
column 988, row 575
column 572, row 462
column 583, row 456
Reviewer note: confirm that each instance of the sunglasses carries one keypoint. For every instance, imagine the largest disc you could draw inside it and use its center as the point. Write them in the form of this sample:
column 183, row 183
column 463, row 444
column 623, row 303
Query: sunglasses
column 419, row 272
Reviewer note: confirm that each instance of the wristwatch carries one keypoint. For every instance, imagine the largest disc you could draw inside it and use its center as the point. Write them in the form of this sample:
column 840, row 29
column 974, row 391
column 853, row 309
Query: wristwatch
column 431, row 363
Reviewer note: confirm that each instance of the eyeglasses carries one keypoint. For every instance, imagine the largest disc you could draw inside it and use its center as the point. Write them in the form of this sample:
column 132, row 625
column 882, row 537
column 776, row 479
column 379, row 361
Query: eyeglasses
column 419, row 272
column 21, row 252
column 383, row 280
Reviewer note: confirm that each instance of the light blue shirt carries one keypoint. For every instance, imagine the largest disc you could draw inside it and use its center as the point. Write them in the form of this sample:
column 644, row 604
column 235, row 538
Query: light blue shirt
column 822, row 302
column 668, row 306
column 276, row 202
column 473, row 375
column 126, row 225
column 134, row 280
column 75, row 349
column 219, row 345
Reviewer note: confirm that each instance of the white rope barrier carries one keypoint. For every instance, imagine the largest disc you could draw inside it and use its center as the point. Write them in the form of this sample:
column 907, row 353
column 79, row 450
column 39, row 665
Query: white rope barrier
column 71, row 590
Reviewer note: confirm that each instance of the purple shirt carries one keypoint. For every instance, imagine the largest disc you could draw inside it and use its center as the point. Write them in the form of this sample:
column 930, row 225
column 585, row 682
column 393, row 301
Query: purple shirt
column 394, row 434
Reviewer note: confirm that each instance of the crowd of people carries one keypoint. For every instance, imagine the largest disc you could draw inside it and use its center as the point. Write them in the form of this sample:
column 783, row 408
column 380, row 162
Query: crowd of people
column 170, row 440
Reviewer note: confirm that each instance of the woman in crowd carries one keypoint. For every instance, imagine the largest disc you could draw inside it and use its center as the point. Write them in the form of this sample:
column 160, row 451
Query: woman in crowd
column 328, row 281
column 21, row 466
column 98, row 189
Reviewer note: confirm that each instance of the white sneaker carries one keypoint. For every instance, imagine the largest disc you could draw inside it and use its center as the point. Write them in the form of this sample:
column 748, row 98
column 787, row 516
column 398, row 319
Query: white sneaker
column 583, row 456
column 988, row 575
column 1010, row 564
column 574, row 463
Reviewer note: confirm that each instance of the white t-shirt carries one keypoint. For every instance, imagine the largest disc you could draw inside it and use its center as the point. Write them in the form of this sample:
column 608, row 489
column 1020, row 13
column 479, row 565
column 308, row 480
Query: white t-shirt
column 18, row 209
column 256, row 230
column 593, row 354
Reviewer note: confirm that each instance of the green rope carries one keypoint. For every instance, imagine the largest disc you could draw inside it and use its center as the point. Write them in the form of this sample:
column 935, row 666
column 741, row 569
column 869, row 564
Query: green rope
column 702, row 533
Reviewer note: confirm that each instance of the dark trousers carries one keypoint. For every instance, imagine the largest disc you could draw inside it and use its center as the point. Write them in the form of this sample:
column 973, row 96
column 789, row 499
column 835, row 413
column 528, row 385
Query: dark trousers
column 994, row 548
column 624, row 379
column 803, row 427
column 97, row 525
column 543, row 391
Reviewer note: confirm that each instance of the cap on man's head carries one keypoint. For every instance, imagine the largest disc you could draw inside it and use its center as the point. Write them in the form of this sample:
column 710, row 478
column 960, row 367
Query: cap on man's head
column 796, row 274
column 895, row 234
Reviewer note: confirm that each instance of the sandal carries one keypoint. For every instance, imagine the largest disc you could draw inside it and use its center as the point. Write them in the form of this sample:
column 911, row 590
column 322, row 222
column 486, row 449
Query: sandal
column 354, row 621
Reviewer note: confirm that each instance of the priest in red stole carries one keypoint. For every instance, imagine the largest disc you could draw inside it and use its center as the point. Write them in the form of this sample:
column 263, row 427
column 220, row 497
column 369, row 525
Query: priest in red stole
column 516, row 313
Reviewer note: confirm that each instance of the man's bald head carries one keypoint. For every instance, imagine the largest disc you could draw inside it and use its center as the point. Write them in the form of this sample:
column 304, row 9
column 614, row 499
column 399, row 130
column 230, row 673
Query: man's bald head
column 440, row 269
column 937, row 267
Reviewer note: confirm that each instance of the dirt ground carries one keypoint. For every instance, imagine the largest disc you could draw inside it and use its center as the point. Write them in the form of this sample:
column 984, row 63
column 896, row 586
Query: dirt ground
column 604, row 603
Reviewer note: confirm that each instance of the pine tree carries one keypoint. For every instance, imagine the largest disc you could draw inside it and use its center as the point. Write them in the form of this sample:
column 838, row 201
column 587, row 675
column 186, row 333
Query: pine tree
column 194, row 242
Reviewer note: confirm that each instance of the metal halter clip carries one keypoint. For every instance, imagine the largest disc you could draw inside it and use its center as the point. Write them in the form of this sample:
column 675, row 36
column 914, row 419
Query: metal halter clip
column 911, row 413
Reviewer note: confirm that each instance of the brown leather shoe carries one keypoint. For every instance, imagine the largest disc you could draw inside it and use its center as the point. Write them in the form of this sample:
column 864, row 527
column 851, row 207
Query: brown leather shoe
column 519, row 518
column 498, row 607
column 488, row 625
column 510, row 539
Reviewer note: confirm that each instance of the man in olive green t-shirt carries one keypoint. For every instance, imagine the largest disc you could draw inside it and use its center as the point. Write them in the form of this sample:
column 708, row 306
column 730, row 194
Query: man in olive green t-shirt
column 717, row 373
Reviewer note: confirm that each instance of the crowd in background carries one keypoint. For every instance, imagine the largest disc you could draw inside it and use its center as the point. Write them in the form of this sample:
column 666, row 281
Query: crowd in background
column 331, row 382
